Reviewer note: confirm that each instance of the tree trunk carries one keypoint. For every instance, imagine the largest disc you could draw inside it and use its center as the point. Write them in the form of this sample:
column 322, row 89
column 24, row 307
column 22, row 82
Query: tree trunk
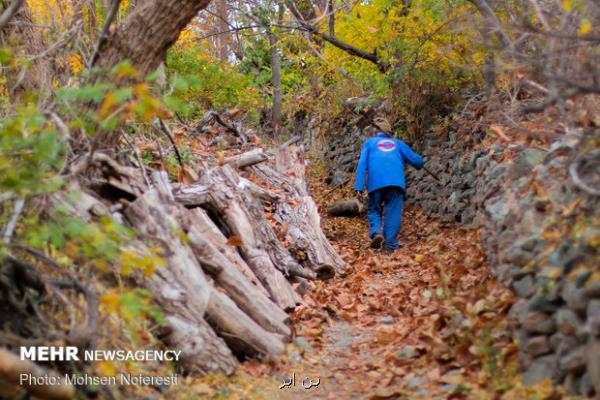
column 242, row 216
column 11, row 368
column 276, row 78
column 147, row 32
column 223, row 39
column 331, row 12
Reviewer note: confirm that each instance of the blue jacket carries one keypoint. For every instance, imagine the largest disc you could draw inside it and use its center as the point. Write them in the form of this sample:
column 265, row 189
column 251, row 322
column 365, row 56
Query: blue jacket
column 383, row 157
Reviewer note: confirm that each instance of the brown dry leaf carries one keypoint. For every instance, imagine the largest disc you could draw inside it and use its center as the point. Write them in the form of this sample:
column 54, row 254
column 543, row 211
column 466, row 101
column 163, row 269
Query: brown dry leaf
column 235, row 241
column 220, row 157
column 499, row 131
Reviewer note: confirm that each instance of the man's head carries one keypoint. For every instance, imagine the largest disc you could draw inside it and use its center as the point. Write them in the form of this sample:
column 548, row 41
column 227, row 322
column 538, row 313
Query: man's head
column 384, row 124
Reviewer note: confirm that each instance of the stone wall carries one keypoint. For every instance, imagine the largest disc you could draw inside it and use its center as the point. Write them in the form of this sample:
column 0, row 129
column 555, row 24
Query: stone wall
column 541, row 233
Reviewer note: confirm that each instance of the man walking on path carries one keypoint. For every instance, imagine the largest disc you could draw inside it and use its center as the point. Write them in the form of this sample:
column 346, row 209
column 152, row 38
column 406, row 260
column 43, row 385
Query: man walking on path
column 381, row 164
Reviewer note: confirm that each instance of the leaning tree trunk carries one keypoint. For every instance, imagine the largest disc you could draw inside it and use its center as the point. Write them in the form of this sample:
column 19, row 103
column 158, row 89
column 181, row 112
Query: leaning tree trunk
column 143, row 39
column 147, row 32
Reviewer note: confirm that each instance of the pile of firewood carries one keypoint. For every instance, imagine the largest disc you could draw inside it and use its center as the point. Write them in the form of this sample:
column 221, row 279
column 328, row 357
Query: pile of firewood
column 240, row 243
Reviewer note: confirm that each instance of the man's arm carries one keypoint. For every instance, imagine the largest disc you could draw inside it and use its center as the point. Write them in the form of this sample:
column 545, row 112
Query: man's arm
column 361, row 169
column 410, row 156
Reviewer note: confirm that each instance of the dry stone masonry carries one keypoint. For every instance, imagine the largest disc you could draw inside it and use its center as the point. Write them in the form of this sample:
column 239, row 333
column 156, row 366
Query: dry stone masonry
column 540, row 218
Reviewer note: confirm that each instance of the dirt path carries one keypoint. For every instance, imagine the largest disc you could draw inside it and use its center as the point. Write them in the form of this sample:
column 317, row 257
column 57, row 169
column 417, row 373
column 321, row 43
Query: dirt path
column 428, row 321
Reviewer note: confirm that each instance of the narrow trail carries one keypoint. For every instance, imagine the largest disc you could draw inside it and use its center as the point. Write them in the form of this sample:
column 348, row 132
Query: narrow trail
column 428, row 321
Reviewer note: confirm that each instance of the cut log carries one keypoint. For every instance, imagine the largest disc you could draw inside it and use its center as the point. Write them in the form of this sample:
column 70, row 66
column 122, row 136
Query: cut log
column 242, row 334
column 243, row 217
column 11, row 368
column 207, row 228
column 180, row 288
column 202, row 351
column 298, row 211
column 249, row 296
column 346, row 208
column 246, row 159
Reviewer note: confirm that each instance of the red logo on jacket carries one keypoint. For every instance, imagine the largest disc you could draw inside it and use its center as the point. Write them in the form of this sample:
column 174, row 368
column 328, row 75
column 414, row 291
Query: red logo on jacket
column 386, row 145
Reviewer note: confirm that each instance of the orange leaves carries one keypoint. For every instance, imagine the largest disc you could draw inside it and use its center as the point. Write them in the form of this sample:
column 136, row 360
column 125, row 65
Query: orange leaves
column 235, row 241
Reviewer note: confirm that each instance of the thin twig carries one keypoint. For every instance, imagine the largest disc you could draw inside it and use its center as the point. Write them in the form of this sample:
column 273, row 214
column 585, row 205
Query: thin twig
column 105, row 28
column 165, row 130
column 138, row 158
column 12, row 223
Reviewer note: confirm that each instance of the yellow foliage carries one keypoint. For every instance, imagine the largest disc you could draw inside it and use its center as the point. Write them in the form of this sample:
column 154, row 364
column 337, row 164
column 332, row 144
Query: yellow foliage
column 585, row 27
column 567, row 5
column 106, row 368
column 111, row 302
column 75, row 63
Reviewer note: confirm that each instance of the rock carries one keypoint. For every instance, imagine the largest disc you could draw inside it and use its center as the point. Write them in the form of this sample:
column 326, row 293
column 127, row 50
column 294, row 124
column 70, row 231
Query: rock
column 408, row 353
column 538, row 322
column 524, row 163
column 593, row 290
column 555, row 340
column 574, row 297
column 545, row 303
column 518, row 272
column 537, row 345
column 566, row 345
column 387, row 320
column 574, row 361
column 518, row 257
column 544, row 367
column 302, row 343
column 518, row 310
column 530, row 243
column 567, row 321
column 593, row 363
column 497, row 209
column 338, row 178
column 593, row 309
column 524, row 287
column 582, row 278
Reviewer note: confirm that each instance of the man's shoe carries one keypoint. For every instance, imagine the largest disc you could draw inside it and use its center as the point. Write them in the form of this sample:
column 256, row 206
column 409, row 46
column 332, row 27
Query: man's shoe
column 390, row 251
column 377, row 241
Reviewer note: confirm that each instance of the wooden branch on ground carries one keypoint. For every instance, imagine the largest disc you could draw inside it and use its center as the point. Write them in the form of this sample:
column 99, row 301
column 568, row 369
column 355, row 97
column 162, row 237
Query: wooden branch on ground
column 242, row 215
column 240, row 286
column 346, row 208
column 248, row 158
